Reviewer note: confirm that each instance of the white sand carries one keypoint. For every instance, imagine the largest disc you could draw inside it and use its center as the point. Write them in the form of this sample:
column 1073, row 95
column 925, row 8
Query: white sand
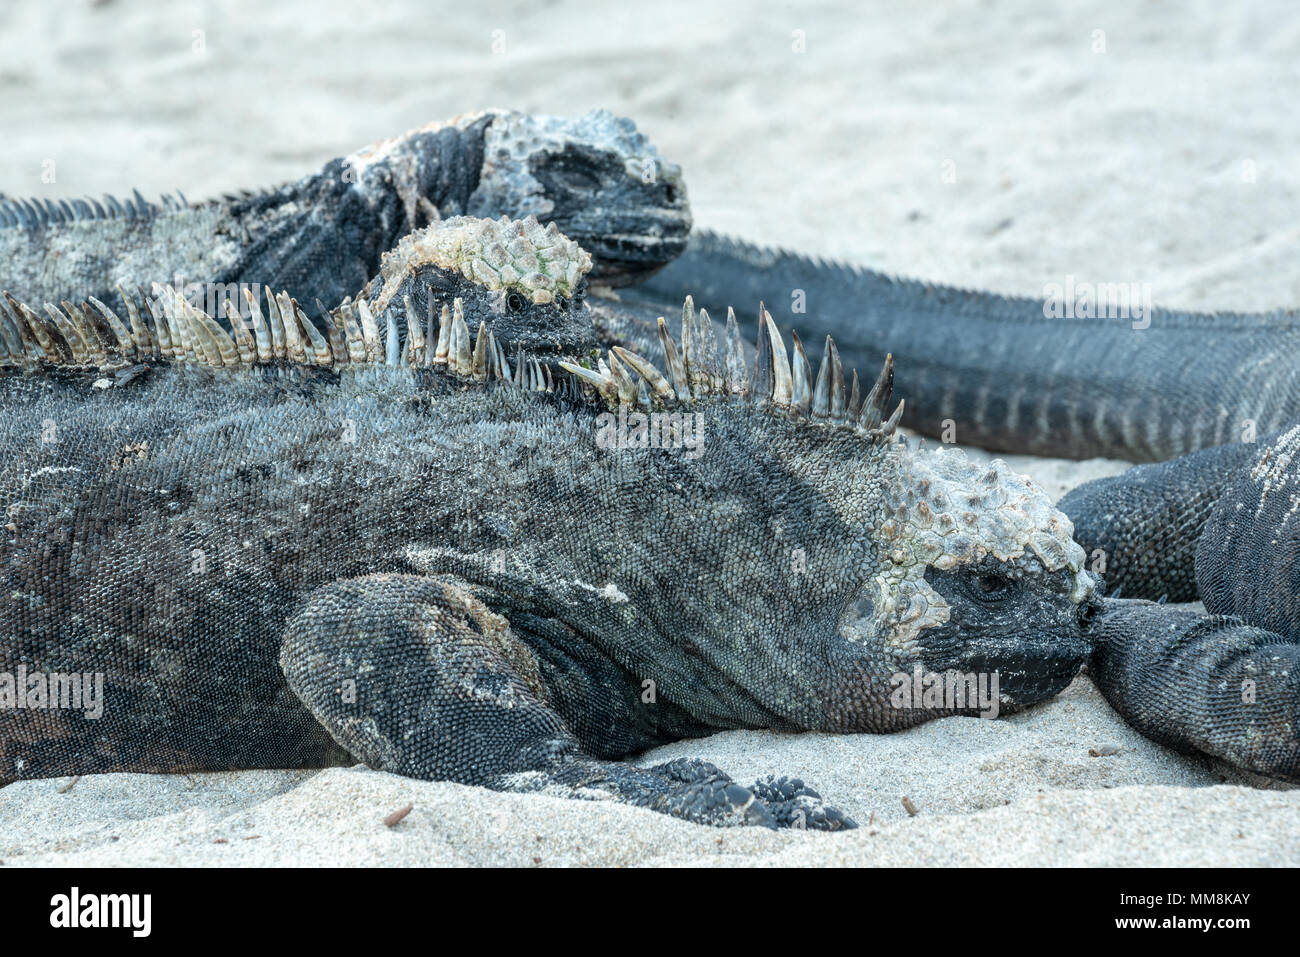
column 1021, row 790
column 1170, row 158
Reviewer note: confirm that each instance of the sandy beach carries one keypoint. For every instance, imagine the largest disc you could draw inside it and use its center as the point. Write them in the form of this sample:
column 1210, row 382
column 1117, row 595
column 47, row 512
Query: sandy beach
column 1002, row 146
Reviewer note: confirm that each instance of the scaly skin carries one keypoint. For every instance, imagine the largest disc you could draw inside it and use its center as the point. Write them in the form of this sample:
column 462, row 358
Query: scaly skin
column 1141, row 527
column 1209, row 684
column 1237, row 540
column 1220, row 525
column 1007, row 377
column 298, row 561
column 285, row 552
column 992, row 371
column 322, row 237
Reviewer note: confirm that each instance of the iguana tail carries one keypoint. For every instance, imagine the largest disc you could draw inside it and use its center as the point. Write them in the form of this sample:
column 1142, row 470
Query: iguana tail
column 1008, row 374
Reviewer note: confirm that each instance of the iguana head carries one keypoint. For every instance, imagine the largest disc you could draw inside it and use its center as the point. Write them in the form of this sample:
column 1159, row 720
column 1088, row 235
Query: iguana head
column 976, row 572
column 598, row 179
column 821, row 559
column 527, row 282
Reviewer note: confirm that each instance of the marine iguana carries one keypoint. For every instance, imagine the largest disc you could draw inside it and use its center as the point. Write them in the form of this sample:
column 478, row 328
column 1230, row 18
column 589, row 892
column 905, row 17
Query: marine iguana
column 594, row 176
column 290, row 550
column 1004, row 373
column 997, row 370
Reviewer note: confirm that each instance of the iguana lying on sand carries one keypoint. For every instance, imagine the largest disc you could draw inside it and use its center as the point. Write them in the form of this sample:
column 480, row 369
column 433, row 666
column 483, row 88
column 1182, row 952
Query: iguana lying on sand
column 997, row 371
column 994, row 371
column 283, row 548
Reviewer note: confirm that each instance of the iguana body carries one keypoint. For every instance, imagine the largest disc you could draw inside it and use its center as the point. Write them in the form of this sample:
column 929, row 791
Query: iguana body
column 981, row 369
column 405, row 551
column 322, row 237
column 498, row 585
column 1218, row 525
column 1214, row 524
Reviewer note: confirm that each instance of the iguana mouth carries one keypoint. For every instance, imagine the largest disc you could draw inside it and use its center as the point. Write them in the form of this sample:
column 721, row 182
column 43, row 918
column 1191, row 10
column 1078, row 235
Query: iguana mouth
column 1039, row 674
column 635, row 249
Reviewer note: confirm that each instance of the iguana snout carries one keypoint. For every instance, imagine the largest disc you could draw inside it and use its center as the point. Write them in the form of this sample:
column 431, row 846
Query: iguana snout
column 1015, row 624
column 597, row 178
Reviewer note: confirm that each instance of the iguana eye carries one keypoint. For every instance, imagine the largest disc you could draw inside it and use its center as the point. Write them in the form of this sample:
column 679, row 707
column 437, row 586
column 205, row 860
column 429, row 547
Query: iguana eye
column 579, row 180
column 516, row 303
column 990, row 587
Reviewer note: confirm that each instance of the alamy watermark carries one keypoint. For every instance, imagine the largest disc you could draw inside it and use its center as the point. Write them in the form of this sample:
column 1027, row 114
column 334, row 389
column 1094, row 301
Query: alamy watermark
column 1093, row 300
column 210, row 298
column 952, row 691
column 130, row 911
column 53, row 691
column 651, row 430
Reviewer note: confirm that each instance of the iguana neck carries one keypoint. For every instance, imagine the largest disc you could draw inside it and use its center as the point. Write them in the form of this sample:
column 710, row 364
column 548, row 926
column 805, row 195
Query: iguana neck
column 320, row 237
column 357, row 207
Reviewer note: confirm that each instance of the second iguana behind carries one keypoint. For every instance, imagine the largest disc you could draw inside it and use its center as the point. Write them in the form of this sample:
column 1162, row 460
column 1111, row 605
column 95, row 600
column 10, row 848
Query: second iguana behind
column 980, row 369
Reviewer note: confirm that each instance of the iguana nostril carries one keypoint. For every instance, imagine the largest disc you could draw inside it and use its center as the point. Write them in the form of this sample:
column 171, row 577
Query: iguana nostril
column 1088, row 611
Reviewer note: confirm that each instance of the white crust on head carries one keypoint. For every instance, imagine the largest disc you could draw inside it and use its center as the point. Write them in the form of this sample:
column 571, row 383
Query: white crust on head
column 361, row 160
column 944, row 511
column 513, row 138
column 499, row 254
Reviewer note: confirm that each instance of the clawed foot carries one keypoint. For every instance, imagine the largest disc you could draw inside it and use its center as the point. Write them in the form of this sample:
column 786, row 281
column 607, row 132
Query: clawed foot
column 793, row 804
column 709, row 796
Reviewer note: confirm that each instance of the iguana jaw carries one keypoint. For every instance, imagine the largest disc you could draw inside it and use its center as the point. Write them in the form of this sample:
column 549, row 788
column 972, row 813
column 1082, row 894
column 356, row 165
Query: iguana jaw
column 630, row 245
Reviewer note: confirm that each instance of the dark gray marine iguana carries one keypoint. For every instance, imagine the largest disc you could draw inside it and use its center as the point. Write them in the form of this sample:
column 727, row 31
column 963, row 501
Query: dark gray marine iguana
column 286, row 549
column 1000, row 372
column 595, row 177
column 1007, row 375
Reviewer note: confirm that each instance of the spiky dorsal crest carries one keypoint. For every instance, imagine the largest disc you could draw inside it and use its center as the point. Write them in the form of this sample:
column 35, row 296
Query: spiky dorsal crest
column 168, row 326
column 36, row 213
column 697, row 369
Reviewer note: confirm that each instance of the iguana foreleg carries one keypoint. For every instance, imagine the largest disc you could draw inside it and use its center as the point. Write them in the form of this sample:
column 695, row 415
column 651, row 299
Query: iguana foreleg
column 414, row 675
column 1143, row 525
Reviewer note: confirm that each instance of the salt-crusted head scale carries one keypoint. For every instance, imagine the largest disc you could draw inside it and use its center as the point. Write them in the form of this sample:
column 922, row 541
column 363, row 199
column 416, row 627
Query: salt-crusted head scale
column 946, row 511
column 501, row 254
column 514, row 137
